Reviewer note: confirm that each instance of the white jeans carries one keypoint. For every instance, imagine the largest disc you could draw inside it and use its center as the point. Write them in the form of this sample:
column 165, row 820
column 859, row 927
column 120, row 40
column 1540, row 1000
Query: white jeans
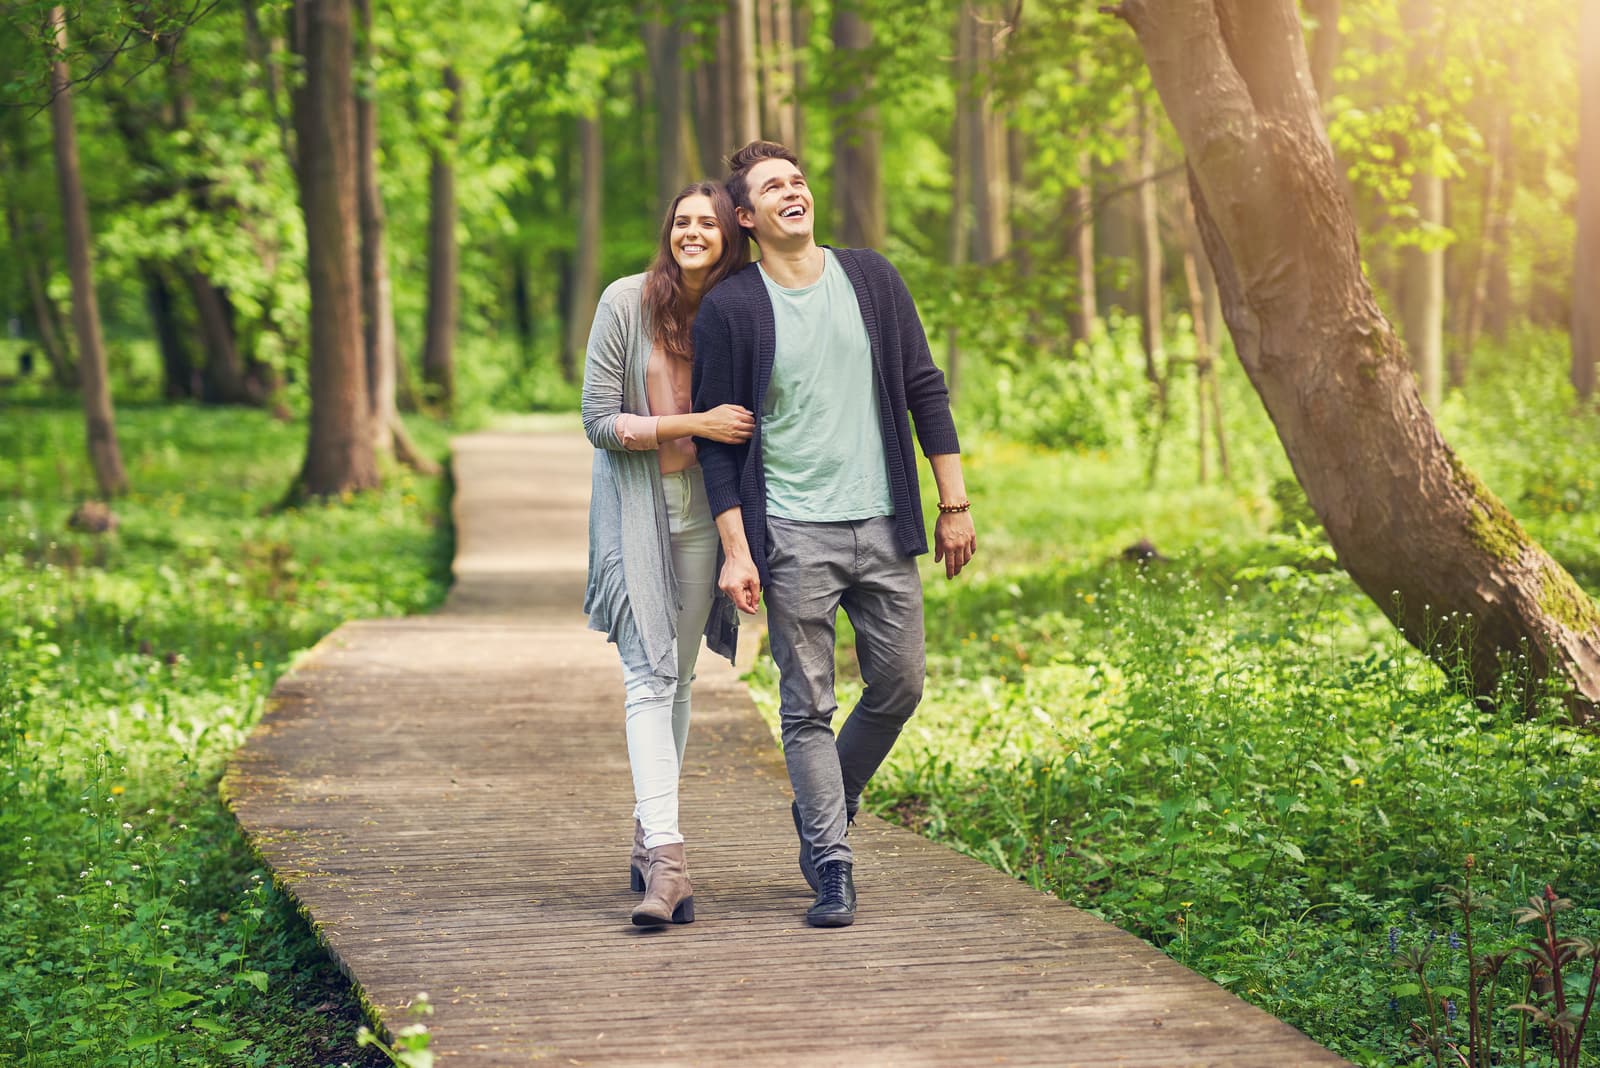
column 657, row 714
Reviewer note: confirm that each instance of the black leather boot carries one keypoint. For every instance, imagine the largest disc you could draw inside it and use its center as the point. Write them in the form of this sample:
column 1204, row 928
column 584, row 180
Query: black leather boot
column 836, row 896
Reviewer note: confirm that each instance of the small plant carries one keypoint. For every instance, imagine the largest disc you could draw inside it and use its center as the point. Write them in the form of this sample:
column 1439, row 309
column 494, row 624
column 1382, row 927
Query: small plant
column 1551, row 955
column 410, row 1049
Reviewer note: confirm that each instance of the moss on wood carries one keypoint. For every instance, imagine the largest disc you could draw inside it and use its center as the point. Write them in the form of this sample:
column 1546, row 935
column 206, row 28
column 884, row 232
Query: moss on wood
column 1563, row 600
column 1491, row 527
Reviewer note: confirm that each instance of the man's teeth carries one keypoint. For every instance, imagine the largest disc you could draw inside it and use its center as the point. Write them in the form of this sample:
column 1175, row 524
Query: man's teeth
column 792, row 213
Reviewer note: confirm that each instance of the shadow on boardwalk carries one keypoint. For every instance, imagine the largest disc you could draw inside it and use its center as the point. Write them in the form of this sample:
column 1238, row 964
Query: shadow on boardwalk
column 448, row 798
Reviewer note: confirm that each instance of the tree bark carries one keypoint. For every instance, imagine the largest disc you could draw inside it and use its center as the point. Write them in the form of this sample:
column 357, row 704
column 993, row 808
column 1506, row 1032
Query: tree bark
column 746, row 95
column 99, row 419
column 990, row 181
column 664, row 49
column 1422, row 303
column 1324, row 46
column 438, row 354
column 63, row 371
column 224, row 373
column 339, row 453
column 1150, row 261
column 1086, row 316
column 1416, row 530
column 1477, row 281
column 585, row 292
column 179, row 380
column 961, row 132
column 858, row 139
column 1586, row 260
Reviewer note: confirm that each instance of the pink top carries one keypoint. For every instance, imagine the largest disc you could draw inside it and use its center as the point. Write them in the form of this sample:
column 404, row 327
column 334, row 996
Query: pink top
column 667, row 389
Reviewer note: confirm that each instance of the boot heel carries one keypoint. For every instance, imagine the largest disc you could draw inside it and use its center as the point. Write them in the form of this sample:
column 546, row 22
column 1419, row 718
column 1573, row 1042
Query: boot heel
column 684, row 913
column 635, row 879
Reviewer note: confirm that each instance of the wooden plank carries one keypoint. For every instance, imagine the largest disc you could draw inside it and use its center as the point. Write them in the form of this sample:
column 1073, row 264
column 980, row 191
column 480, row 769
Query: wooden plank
column 448, row 798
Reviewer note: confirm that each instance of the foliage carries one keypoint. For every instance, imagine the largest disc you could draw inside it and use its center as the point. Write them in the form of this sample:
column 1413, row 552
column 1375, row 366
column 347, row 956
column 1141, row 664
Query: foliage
column 136, row 927
column 1230, row 752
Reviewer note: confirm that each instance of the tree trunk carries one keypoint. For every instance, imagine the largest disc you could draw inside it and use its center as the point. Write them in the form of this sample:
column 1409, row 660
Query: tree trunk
column 800, row 27
column 1477, row 280
column 1418, row 531
column 261, row 49
column 1086, row 316
column 962, row 128
column 339, row 453
column 1422, row 298
column 1586, row 261
column 585, row 292
column 178, row 374
column 664, row 48
column 992, row 225
column 224, row 374
column 858, row 139
column 1150, row 261
column 63, row 371
column 1497, row 286
column 1324, row 46
column 93, row 374
column 438, row 354
column 746, row 96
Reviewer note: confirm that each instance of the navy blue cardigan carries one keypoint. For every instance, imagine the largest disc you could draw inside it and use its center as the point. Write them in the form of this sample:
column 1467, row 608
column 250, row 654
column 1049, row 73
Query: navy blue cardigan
column 734, row 348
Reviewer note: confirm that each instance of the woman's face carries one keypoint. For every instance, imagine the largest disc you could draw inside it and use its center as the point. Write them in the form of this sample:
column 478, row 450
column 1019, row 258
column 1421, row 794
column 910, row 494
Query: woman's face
column 696, row 238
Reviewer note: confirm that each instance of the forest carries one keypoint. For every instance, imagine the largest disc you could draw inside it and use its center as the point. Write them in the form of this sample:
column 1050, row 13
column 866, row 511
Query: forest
column 1272, row 332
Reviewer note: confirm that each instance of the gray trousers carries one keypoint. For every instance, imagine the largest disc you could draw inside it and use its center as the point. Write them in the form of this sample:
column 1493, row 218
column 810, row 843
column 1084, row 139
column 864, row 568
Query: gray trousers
column 815, row 569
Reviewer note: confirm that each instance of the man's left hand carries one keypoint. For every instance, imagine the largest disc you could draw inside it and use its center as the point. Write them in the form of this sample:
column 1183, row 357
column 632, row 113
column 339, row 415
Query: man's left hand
column 954, row 541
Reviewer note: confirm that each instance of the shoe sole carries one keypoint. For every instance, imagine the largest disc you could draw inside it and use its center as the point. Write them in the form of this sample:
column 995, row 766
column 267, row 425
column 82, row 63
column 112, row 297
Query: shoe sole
column 832, row 920
column 684, row 913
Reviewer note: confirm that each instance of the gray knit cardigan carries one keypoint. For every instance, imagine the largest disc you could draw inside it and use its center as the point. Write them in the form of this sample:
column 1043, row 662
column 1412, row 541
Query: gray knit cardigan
column 630, row 544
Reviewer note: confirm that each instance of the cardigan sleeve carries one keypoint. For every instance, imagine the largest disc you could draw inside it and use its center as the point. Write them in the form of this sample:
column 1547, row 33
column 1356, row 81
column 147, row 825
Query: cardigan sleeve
column 926, row 394
column 605, row 368
column 712, row 383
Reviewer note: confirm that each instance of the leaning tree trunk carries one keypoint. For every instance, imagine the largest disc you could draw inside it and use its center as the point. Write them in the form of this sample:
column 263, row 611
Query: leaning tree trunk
column 857, row 139
column 93, row 376
column 1418, row 531
column 339, row 453
column 438, row 354
column 1586, row 262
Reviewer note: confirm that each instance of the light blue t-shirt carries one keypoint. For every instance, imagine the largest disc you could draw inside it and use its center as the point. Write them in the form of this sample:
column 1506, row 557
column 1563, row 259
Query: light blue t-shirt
column 821, row 442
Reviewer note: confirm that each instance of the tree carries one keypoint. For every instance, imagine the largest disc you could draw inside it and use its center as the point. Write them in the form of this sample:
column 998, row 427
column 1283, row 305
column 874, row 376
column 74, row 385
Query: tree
column 1423, row 291
column 585, row 290
column 438, row 354
column 339, row 452
column 1414, row 527
column 858, row 140
column 377, row 299
column 1586, row 261
column 104, row 453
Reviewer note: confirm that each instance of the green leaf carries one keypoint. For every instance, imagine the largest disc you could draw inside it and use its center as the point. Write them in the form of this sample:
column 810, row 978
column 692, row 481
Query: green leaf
column 176, row 999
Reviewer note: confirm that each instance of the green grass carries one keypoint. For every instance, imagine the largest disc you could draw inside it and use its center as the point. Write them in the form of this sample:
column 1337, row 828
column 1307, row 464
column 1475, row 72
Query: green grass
column 135, row 926
column 1231, row 752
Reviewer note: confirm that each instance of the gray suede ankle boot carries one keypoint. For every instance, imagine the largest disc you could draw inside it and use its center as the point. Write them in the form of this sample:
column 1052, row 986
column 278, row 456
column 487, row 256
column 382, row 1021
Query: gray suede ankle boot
column 668, row 897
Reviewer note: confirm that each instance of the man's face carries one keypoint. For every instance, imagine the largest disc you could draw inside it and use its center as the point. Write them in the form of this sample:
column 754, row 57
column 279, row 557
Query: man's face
column 782, row 204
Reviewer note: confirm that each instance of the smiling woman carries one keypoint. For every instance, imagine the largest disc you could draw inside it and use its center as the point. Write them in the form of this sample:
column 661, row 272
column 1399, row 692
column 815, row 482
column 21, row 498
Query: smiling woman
column 652, row 545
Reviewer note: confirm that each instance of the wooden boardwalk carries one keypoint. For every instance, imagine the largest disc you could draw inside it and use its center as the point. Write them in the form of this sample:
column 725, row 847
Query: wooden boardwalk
column 448, row 798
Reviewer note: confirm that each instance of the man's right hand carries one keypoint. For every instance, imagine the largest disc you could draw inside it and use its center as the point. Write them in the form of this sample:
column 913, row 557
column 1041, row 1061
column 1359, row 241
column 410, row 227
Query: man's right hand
column 742, row 583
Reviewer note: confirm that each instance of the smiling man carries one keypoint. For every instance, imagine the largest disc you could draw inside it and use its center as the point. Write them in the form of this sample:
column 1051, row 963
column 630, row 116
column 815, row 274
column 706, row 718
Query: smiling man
column 820, row 509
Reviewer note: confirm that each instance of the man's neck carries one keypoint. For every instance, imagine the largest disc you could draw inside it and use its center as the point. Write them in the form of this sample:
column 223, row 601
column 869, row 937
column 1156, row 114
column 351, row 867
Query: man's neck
column 794, row 268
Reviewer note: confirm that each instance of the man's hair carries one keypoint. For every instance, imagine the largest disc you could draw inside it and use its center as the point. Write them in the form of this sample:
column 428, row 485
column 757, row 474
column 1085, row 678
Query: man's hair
column 740, row 162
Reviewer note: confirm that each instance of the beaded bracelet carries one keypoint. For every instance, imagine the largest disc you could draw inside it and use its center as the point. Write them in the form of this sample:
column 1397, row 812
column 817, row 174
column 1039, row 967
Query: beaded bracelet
column 951, row 509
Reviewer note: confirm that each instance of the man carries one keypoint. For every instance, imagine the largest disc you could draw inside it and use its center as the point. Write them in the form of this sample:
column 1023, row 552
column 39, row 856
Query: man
column 820, row 509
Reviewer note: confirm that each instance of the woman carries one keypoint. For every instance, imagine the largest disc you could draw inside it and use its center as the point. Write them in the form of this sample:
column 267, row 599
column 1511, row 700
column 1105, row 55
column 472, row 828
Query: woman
column 652, row 541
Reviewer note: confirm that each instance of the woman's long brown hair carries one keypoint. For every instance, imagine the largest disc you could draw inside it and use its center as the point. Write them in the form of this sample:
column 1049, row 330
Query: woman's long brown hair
column 668, row 304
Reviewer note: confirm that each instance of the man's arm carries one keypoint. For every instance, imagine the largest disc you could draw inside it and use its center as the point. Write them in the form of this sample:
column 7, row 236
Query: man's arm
column 739, row 579
column 712, row 383
column 955, row 540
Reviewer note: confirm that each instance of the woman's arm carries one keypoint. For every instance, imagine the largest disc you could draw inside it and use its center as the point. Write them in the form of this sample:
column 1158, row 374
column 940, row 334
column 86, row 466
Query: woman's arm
column 605, row 369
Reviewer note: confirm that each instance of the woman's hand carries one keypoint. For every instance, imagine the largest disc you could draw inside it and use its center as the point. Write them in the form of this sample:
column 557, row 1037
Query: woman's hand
column 729, row 423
